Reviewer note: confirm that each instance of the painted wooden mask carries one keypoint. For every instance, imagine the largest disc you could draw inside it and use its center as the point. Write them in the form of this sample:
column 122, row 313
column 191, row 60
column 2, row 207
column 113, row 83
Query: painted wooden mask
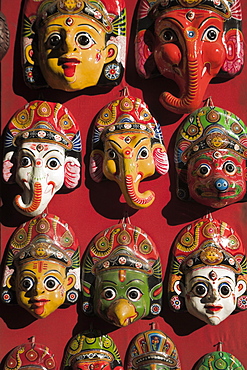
column 208, row 271
column 219, row 360
column 31, row 355
column 152, row 349
column 190, row 42
column 127, row 148
column 42, row 266
column 121, row 276
column 91, row 350
column 43, row 141
column 210, row 157
column 71, row 45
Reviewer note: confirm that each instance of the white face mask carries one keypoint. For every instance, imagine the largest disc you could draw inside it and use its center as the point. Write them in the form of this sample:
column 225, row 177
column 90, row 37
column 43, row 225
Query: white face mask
column 40, row 165
column 211, row 293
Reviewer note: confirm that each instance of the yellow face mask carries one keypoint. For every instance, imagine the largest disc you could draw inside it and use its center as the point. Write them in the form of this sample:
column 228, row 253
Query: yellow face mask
column 72, row 52
column 41, row 286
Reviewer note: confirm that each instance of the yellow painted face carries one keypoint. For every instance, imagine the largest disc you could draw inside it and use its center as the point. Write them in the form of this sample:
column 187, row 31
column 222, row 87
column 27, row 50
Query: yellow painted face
column 72, row 52
column 41, row 286
column 128, row 154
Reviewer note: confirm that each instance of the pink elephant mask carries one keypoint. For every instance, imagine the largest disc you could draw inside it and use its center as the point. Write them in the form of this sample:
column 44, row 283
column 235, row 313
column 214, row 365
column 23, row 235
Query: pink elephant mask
column 190, row 42
column 45, row 138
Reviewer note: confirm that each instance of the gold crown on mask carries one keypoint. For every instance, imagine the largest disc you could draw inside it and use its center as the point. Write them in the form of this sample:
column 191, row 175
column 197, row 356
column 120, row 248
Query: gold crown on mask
column 42, row 249
column 84, row 8
column 222, row 7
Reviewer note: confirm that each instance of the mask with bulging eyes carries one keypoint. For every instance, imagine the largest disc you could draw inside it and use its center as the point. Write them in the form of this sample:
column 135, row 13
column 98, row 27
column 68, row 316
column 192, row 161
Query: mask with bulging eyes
column 207, row 271
column 44, row 139
column 121, row 276
column 189, row 42
column 210, row 157
column 74, row 45
column 42, row 266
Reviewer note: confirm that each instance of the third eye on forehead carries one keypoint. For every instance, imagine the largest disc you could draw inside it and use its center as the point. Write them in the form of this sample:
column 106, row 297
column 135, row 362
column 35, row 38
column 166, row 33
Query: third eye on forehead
column 83, row 25
column 209, row 279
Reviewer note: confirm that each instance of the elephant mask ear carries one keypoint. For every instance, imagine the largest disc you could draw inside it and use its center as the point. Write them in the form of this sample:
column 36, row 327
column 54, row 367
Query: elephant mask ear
column 7, row 167
column 72, row 172
column 96, row 165
column 161, row 159
column 234, row 61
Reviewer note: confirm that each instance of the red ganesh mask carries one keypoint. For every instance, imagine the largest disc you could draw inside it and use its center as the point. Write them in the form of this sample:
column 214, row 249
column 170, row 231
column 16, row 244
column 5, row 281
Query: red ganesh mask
column 190, row 42
column 44, row 139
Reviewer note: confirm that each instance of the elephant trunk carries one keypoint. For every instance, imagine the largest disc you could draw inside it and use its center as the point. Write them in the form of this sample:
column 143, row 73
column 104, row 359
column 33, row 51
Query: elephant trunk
column 32, row 208
column 134, row 198
column 192, row 98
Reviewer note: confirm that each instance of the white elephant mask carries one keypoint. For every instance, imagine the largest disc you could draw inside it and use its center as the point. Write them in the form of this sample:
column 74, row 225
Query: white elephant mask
column 46, row 140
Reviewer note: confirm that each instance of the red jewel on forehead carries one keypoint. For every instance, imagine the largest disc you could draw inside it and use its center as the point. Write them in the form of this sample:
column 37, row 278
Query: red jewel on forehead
column 39, row 147
column 127, row 139
column 69, row 21
column 212, row 275
column 190, row 15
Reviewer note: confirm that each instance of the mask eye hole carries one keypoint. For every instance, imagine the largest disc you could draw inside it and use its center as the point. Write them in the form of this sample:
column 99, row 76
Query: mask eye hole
column 225, row 290
column 203, row 170
column 168, row 35
column 200, row 290
column 109, row 294
column 54, row 41
column 143, row 153
column 230, row 168
column 112, row 154
column 53, row 163
column 27, row 284
column 84, row 40
column 51, row 283
column 210, row 34
column 25, row 162
column 134, row 294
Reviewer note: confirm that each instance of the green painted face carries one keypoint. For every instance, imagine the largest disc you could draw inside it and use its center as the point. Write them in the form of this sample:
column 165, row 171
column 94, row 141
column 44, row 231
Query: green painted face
column 219, row 360
column 154, row 367
column 122, row 296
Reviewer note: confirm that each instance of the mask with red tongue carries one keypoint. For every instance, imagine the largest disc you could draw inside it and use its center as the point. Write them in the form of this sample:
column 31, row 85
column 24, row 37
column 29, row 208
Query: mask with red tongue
column 71, row 46
column 208, row 274
column 42, row 266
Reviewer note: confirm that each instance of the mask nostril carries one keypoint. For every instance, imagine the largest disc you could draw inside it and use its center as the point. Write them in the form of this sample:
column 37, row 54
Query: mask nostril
column 221, row 184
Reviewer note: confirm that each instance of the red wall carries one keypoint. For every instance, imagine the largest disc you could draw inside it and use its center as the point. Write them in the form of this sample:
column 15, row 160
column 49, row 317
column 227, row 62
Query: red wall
column 93, row 207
